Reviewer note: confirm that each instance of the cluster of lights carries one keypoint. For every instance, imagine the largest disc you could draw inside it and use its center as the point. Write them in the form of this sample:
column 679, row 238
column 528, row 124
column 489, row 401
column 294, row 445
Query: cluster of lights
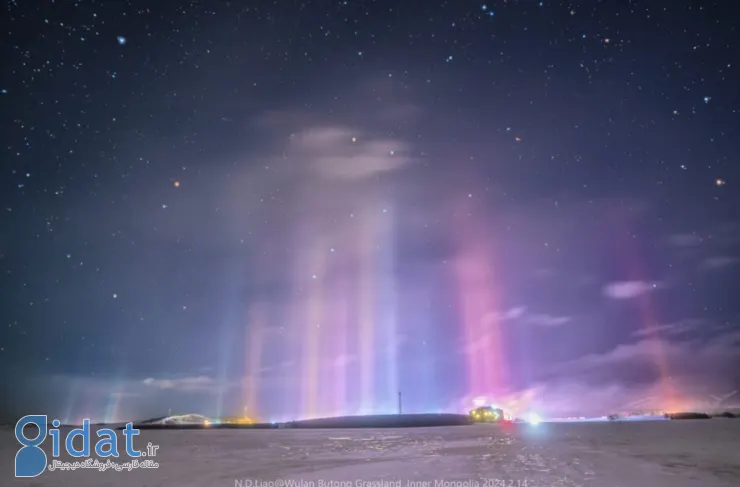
column 232, row 420
column 489, row 413
column 485, row 410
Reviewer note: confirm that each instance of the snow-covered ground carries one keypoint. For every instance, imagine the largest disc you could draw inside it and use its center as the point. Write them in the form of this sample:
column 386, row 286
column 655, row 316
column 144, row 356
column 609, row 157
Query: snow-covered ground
column 600, row 454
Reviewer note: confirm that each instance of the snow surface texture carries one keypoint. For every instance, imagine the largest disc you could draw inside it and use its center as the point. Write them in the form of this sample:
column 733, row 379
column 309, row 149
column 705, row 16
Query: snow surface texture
column 607, row 454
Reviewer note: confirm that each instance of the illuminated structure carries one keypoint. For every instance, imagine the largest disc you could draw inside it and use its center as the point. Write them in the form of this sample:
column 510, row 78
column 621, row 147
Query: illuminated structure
column 183, row 419
column 188, row 419
column 237, row 420
column 487, row 414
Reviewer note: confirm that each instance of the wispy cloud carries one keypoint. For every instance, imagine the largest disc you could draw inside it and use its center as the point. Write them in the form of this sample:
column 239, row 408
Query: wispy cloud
column 514, row 313
column 628, row 289
column 345, row 360
column 682, row 355
column 676, row 328
column 547, row 320
column 628, row 374
column 524, row 315
column 684, row 240
column 719, row 262
column 201, row 383
column 519, row 314
column 337, row 152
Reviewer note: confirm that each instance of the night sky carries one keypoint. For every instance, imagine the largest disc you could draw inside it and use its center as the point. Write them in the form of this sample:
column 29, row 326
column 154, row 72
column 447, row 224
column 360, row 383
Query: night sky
column 303, row 208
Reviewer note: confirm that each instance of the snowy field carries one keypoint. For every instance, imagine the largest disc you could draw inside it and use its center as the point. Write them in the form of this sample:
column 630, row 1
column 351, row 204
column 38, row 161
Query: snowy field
column 702, row 453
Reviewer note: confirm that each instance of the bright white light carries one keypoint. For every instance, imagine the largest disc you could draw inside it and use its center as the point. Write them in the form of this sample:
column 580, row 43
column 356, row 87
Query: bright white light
column 534, row 419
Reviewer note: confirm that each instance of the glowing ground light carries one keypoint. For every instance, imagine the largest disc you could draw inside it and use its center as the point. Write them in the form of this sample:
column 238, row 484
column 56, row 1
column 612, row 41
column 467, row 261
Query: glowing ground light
column 176, row 184
column 720, row 182
column 534, row 419
column 121, row 40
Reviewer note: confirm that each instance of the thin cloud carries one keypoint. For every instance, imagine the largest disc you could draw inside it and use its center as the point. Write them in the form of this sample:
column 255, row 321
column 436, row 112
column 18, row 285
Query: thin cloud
column 347, row 154
column 596, row 384
column 522, row 314
column 547, row 320
column 680, row 355
column 628, row 289
column 201, row 383
column 343, row 361
column 719, row 262
column 481, row 343
column 676, row 328
column 518, row 314
column 684, row 240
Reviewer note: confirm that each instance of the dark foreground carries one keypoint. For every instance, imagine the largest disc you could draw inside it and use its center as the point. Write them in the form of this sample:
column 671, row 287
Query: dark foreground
column 367, row 421
column 604, row 454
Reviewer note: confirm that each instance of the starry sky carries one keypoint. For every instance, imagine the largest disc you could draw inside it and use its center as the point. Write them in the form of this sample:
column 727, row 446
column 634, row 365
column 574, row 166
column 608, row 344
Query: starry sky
column 298, row 209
